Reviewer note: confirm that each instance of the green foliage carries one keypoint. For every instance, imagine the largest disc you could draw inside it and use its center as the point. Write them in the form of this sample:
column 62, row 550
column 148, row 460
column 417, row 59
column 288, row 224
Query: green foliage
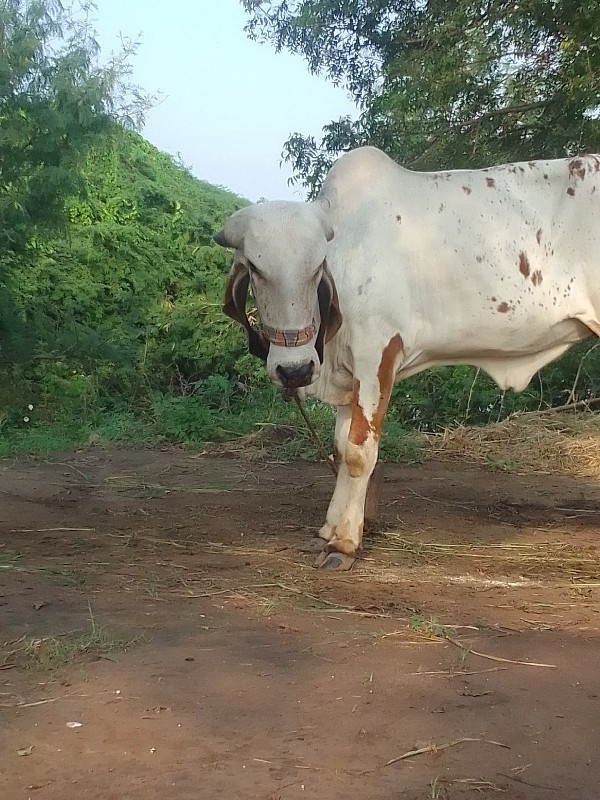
column 449, row 84
column 56, row 652
column 54, row 100
column 127, row 301
column 428, row 627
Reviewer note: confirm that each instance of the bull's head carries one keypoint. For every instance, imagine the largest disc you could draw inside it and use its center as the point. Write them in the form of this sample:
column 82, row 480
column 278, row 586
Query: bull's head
column 280, row 250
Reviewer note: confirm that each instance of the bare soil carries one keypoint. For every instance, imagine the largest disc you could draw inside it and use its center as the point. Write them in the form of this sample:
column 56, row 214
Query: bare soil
column 249, row 674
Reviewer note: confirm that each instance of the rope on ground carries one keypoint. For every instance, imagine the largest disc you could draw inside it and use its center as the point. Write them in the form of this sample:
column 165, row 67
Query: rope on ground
column 315, row 436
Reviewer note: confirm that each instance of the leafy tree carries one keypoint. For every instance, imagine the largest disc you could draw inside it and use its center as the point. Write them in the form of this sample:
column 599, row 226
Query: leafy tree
column 56, row 103
column 54, row 100
column 125, row 299
column 445, row 83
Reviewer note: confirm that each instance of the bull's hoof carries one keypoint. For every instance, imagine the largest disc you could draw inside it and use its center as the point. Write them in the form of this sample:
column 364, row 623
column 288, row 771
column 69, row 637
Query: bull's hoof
column 335, row 561
column 315, row 545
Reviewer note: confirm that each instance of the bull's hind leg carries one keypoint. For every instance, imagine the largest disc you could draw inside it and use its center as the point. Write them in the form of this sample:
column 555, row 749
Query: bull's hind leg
column 358, row 455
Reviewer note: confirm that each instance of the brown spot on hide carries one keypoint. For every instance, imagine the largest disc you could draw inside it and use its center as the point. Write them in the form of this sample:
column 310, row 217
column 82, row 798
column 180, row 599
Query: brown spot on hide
column 441, row 208
column 537, row 277
column 360, row 427
column 490, row 182
column 479, row 259
column 545, row 176
column 538, row 235
column 386, row 374
column 503, row 308
column 577, row 169
column 571, row 191
column 359, row 424
column 524, row 268
column 398, row 218
column 466, row 190
column 493, row 299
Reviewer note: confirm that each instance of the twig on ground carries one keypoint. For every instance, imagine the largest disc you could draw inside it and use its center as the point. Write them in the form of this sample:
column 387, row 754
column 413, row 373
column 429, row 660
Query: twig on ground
column 458, row 673
column 464, row 647
column 293, row 590
column 50, row 530
column 527, row 783
column 434, row 748
column 477, row 783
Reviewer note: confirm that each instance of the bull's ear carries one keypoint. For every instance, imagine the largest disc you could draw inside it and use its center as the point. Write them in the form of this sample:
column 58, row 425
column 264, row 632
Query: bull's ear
column 329, row 310
column 236, row 292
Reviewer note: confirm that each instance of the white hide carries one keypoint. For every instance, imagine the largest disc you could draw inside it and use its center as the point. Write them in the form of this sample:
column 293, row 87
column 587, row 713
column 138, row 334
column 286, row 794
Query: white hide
column 498, row 268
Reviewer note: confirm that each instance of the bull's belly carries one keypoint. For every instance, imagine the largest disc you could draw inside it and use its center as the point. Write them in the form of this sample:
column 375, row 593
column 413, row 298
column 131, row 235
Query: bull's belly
column 511, row 361
column 511, row 357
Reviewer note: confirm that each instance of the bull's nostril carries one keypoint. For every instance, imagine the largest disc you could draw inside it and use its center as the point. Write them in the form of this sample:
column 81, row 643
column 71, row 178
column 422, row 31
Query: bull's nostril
column 293, row 376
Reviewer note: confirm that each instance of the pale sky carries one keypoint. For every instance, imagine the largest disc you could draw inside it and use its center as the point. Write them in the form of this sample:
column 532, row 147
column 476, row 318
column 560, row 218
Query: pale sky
column 229, row 103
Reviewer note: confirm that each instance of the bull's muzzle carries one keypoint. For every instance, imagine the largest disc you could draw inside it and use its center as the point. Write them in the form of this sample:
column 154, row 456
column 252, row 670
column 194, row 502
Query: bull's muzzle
column 293, row 376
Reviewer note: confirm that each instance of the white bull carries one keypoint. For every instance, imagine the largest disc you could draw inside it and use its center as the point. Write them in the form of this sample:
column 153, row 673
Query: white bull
column 389, row 272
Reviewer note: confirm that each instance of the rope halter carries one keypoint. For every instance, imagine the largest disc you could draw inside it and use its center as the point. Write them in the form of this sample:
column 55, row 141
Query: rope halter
column 289, row 338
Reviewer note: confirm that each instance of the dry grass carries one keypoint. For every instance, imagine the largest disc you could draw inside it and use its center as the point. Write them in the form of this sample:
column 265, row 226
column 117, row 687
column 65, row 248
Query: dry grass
column 560, row 443
column 533, row 559
column 563, row 444
column 259, row 444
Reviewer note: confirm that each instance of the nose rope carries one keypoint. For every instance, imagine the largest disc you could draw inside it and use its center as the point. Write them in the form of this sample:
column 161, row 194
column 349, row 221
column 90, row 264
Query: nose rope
column 291, row 337
column 316, row 438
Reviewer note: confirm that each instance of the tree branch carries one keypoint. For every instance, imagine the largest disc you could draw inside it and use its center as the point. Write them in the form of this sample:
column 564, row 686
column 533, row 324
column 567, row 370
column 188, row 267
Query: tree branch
column 518, row 108
column 566, row 407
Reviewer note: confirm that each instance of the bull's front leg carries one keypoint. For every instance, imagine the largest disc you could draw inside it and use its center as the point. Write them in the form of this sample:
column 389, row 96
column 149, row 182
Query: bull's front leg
column 340, row 493
column 358, row 428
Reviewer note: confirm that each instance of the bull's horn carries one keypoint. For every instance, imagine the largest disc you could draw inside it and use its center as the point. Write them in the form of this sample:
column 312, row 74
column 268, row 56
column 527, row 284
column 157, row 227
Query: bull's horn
column 220, row 239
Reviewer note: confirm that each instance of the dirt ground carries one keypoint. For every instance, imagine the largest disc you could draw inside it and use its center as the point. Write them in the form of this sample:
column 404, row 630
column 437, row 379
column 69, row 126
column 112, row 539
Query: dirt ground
column 221, row 664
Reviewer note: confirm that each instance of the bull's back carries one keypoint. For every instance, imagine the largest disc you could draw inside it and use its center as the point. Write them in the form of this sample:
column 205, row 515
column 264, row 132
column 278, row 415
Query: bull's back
column 468, row 263
column 514, row 227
